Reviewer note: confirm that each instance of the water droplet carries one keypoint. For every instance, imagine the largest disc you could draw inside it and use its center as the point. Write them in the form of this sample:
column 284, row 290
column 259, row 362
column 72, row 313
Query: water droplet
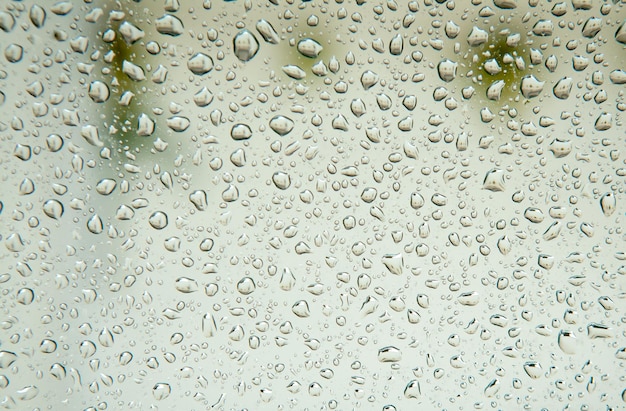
column 133, row 71
column 27, row 186
column 99, row 91
column 37, row 16
column 199, row 199
column 592, row 26
column 14, row 242
column 200, row 64
column 27, row 393
column 595, row 330
column 267, row 31
column 494, row 91
column 209, row 326
column 309, row 48
column 396, row 45
column 47, row 346
column 145, row 125
column 186, row 285
column 494, row 180
column 178, row 123
column 240, row 132
column 477, row 37
column 506, row 4
column 389, row 354
column 161, row 391
column 130, row 32
column 293, row 71
column 608, row 203
column 25, row 296
column 447, row 70
column 534, row 215
column 245, row 45
column 281, row 125
column 170, row 25
column 531, row 87
column 125, row 358
column 13, row 53
column 543, row 28
column 7, row 358
column 246, row 286
column 533, row 369
column 469, row 298
column 87, row 349
column 95, row 225
column 604, row 122
column 413, row 390
column 172, row 244
column 394, row 263
column 203, row 97
column 301, row 309
column 553, row 231
column 369, row 79
column 281, row 180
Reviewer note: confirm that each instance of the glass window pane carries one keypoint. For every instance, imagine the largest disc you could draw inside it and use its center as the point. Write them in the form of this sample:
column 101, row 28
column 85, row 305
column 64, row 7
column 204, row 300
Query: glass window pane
column 339, row 204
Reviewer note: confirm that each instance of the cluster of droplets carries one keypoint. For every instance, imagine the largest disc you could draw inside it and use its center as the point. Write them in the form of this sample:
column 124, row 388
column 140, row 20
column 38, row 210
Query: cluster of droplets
column 312, row 204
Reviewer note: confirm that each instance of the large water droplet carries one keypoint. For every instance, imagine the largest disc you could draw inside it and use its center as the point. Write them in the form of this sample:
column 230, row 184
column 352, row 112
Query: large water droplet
column 161, row 391
column 170, row 25
column 309, row 48
column 447, row 70
column 200, row 64
column 281, row 125
column 389, row 354
column 53, row 209
column 245, row 45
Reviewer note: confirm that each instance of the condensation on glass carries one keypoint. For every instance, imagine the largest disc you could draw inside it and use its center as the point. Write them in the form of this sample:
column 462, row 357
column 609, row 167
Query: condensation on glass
column 284, row 204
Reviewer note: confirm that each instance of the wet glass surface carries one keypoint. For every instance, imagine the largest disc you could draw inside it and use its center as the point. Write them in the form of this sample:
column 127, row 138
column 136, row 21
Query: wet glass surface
column 312, row 205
